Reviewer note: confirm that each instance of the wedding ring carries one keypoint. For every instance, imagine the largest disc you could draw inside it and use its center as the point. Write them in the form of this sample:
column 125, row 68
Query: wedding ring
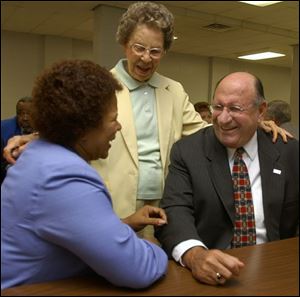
column 219, row 276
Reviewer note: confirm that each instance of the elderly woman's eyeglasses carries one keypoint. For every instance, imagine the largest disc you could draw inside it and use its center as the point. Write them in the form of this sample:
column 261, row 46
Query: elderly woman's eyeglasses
column 140, row 50
column 232, row 110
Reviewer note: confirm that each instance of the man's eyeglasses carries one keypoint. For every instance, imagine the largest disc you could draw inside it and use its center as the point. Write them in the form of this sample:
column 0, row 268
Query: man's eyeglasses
column 232, row 110
column 140, row 50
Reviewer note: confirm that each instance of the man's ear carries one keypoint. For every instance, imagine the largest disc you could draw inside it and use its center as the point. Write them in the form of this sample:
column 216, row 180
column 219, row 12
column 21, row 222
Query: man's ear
column 262, row 110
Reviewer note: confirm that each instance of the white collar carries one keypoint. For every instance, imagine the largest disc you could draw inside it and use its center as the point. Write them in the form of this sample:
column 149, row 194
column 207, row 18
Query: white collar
column 250, row 148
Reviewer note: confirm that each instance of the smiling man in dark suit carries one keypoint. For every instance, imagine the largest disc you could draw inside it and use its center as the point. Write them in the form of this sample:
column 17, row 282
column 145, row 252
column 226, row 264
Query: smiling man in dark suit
column 200, row 191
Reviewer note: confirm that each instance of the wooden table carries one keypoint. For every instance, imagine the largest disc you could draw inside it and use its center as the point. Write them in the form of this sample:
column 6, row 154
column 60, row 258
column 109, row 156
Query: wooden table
column 271, row 269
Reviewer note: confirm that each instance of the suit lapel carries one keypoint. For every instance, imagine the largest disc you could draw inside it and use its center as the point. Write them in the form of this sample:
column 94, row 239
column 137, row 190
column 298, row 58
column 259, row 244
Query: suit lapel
column 272, row 180
column 126, row 118
column 164, row 103
column 220, row 173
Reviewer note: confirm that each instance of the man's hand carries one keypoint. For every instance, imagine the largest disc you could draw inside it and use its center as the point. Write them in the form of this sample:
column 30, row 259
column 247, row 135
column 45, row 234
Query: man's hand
column 147, row 215
column 212, row 267
column 16, row 145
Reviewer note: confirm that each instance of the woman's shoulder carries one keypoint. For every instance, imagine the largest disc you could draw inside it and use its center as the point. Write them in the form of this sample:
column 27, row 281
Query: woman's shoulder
column 168, row 82
column 50, row 158
column 50, row 152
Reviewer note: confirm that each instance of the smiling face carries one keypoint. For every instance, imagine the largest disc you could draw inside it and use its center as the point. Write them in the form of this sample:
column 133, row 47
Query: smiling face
column 236, row 129
column 142, row 67
column 96, row 143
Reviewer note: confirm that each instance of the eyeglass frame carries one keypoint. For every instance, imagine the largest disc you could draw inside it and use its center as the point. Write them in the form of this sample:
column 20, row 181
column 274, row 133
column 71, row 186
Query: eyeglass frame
column 232, row 109
column 147, row 49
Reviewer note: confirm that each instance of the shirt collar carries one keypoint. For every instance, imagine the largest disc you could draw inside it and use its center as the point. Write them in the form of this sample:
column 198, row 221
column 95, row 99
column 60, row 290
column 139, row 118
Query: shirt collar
column 250, row 148
column 130, row 82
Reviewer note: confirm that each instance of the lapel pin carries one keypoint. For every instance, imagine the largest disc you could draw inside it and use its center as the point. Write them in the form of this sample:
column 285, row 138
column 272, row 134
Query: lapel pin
column 277, row 171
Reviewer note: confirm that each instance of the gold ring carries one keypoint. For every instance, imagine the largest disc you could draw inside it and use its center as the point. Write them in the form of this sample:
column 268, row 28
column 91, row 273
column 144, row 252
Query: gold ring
column 219, row 276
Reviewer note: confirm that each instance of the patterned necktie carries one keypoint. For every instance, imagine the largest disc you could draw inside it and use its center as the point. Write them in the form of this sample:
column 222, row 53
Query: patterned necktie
column 244, row 229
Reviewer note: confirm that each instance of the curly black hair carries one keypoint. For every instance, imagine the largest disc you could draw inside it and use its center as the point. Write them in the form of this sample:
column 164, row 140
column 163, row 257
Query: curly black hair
column 70, row 98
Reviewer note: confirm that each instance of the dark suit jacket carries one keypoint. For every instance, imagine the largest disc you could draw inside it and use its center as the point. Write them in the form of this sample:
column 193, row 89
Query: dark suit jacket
column 198, row 194
column 9, row 128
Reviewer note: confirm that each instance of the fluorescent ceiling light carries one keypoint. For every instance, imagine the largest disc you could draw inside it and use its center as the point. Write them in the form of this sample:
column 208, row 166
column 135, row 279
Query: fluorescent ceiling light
column 261, row 3
column 261, row 56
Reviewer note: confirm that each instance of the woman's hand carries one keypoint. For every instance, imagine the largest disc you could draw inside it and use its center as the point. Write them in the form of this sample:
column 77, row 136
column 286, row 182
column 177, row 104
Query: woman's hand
column 147, row 215
column 16, row 145
column 270, row 126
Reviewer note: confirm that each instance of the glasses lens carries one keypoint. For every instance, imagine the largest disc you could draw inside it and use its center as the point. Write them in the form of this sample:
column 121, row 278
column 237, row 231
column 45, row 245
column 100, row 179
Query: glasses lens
column 235, row 109
column 155, row 52
column 138, row 48
column 217, row 107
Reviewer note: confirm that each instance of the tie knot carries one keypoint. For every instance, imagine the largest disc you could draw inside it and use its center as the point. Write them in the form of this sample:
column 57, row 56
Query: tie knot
column 239, row 152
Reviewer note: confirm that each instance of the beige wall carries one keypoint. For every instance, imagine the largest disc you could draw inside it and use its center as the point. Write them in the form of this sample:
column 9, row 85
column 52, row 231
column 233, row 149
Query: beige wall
column 276, row 80
column 191, row 71
column 294, row 101
column 23, row 56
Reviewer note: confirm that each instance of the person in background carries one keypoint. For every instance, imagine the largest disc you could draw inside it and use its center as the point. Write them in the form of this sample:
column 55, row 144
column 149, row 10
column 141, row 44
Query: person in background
column 204, row 109
column 210, row 203
column 57, row 219
column 154, row 111
column 21, row 123
column 17, row 125
column 280, row 112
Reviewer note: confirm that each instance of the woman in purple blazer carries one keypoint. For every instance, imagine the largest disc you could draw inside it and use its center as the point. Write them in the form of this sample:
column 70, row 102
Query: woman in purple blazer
column 57, row 217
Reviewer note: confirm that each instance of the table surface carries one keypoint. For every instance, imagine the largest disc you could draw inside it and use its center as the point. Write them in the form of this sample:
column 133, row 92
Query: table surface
column 271, row 269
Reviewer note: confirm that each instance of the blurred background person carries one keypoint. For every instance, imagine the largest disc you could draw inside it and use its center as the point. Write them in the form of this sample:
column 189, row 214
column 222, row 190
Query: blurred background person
column 279, row 111
column 204, row 109
column 19, row 124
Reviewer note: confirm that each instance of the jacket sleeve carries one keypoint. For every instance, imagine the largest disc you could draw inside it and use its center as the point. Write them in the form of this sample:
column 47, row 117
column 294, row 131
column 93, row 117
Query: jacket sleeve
column 82, row 221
